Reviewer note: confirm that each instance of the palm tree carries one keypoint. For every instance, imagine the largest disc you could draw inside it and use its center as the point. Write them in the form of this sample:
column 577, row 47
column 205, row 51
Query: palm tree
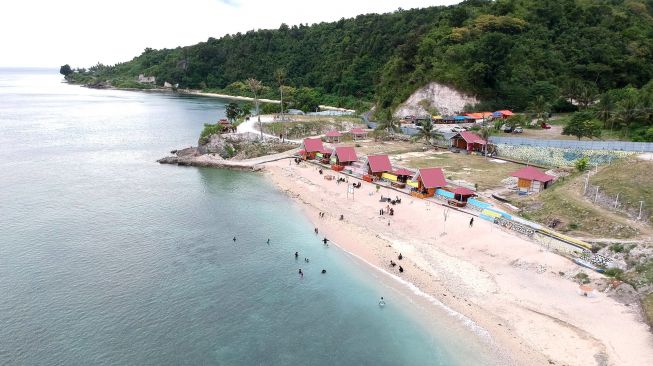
column 605, row 110
column 255, row 86
column 427, row 133
column 627, row 112
column 485, row 133
column 541, row 108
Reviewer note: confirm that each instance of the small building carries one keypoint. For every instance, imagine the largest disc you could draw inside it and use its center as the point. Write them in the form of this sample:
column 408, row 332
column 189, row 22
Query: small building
column 343, row 155
column 398, row 177
column 377, row 165
column 358, row 133
column 324, row 156
column 333, row 136
column 504, row 113
column 531, row 179
column 310, row 148
column 426, row 182
column 467, row 140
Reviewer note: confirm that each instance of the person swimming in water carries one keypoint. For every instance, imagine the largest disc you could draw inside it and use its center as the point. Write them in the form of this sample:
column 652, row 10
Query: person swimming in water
column 323, row 271
column 381, row 302
column 306, row 260
column 268, row 241
column 301, row 274
column 234, row 238
column 296, row 255
column 325, row 240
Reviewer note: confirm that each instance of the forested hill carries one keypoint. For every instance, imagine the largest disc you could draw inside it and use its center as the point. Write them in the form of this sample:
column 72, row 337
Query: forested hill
column 507, row 52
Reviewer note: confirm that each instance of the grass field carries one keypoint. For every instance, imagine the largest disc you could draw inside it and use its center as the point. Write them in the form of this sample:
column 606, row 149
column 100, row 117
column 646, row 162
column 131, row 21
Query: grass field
column 477, row 170
column 563, row 202
column 630, row 179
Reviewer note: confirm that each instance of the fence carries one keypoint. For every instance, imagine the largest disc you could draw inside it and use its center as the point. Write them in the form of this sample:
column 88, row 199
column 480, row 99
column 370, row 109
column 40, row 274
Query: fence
column 636, row 210
column 578, row 145
column 556, row 156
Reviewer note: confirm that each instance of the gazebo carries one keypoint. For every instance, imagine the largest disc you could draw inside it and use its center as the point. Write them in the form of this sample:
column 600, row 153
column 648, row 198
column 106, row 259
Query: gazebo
column 358, row 133
column 403, row 174
column 427, row 181
column 324, row 155
column 333, row 136
column 460, row 196
column 504, row 113
column 531, row 179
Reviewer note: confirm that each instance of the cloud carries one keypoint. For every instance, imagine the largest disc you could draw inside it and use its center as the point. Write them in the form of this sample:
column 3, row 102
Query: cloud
column 230, row 2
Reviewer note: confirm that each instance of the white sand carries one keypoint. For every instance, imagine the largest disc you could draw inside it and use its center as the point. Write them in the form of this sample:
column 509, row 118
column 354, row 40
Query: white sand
column 504, row 283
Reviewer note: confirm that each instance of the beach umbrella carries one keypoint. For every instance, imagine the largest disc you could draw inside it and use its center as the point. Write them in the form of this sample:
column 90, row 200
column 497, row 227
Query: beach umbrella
column 585, row 290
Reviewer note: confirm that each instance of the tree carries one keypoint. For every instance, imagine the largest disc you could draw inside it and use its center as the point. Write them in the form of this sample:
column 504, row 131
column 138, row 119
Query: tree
column 233, row 111
column 485, row 132
column 582, row 124
column 280, row 75
column 389, row 125
column 604, row 109
column 65, row 70
column 541, row 108
column 255, row 86
column 628, row 109
column 427, row 133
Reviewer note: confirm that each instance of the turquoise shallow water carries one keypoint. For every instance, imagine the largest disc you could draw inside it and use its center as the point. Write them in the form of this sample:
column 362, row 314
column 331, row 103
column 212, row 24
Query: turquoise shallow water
column 108, row 258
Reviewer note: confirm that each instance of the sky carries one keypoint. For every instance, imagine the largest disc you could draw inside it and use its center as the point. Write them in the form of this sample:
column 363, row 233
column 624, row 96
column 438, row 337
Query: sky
column 50, row 33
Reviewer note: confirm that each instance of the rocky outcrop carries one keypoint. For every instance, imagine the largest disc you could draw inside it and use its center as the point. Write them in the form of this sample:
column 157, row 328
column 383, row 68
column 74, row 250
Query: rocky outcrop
column 216, row 144
column 435, row 97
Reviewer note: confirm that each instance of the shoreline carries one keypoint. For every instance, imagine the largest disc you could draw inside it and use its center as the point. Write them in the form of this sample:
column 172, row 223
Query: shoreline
column 488, row 285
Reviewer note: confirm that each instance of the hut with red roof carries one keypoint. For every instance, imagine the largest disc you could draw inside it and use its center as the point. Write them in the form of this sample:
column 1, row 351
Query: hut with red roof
column 333, row 136
column 377, row 165
column 310, row 148
column 343, row 156
column 427, row 181
column 467, row 140
column 358, row 133
column 531, row 179
column 504, row 113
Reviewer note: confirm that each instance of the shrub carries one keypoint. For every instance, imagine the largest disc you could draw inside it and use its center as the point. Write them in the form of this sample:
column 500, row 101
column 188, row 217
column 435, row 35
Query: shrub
column 209, row 129
column 614, row 272
column 617, row 248
column 581, row 164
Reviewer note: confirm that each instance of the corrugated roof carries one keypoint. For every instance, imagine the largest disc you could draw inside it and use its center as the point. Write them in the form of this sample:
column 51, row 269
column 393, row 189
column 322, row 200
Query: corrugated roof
column 532, row 173
column 470, row 137
column 313, row 145
column 432, row 177
column 333, row 133
column 379, row 163
column 403, row 171
column 346, row 154
column 464, row 191
column 357, row 130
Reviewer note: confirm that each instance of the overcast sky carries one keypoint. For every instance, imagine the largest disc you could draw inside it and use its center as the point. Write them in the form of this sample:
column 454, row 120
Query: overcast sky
column 50, row 33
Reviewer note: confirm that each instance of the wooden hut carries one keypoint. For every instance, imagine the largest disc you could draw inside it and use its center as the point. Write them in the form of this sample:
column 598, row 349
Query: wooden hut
column 324, row 156
column 310, row 148
column 342, row 156
column 377, row 165
column 460, row 196
column 398, row 177
column 358, row 133
column 467, row 140
column 333, row 136
column 427, row 181
column 531, row 179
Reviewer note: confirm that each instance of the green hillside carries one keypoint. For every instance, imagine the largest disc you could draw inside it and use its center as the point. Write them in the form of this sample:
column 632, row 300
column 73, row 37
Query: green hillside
column 507, row 52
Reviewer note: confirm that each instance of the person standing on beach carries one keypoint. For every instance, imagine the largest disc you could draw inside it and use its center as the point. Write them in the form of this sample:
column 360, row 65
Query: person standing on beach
column 471, row 222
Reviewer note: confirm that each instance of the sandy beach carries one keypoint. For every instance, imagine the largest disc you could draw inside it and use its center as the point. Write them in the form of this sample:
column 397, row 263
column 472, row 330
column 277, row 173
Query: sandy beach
column 514, row 289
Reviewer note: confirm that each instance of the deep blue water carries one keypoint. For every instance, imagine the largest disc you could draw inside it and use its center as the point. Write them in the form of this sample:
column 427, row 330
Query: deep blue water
column 108, row 258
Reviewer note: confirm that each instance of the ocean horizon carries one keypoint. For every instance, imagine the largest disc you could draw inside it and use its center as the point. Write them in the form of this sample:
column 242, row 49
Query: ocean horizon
column 108, row 257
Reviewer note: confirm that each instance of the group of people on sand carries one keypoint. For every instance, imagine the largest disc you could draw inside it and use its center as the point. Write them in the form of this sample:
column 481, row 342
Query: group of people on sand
column 387, row 210
column 394, row 264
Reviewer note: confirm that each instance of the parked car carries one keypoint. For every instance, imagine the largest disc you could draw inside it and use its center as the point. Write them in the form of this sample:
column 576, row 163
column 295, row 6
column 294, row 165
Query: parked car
column 545, row 125
column 518, row 129
column 458, row 129
column 506, row 128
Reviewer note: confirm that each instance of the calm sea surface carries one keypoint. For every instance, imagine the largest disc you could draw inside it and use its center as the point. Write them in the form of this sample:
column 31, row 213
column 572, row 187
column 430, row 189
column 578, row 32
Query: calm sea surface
column 108, row 258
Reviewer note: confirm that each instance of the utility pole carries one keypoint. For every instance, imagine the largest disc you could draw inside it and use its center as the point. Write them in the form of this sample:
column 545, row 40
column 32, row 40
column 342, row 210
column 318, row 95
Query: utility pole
column 596, row 196
column 641, row 203
column 616, row 200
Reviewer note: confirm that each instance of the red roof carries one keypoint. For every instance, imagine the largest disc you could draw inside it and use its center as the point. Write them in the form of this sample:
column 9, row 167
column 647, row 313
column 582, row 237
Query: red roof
column 326, row 151
column 357, row 131
column 464, row 191
column 506, row 112
column 313, row 145
column 333, row 133
column 346, row 154
column 403, row 171
column 432, row 177
column 531, row 173
column 474, row 115
column 470, row 137
column 379, row 163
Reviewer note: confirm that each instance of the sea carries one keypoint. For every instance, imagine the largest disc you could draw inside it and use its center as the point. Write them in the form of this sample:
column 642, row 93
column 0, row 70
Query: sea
column 109, row 258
